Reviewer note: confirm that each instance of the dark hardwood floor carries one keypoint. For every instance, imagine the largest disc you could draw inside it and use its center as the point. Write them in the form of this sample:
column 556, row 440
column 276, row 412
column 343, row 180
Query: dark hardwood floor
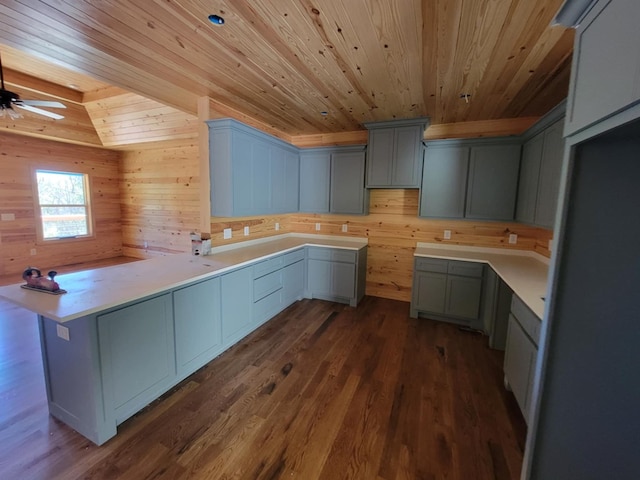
column 322, row 391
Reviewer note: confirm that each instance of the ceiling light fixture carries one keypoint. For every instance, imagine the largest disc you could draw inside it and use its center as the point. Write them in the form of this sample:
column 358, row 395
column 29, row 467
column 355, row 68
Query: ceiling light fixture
column 216, row 19
column 324, row 114
column 466, row 96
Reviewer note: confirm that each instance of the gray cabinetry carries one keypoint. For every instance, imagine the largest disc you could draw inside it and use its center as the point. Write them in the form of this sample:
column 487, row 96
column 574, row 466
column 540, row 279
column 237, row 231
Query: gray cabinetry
column 395, row 153
column 447, row 290
column 293, row 277
column 470, row 179
column 332, row 180
column 444, row 181
column 336, row 274
column 137, row 355
column 236, row 304
column 493, row 182
column 252, row 173
column 198, row 325
column 521, row 353
column 539, row 184
column 496, row 305
column 605, row 75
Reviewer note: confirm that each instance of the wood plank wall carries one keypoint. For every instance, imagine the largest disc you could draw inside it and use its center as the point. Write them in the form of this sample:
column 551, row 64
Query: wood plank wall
column 160, row 199
column 19, row 155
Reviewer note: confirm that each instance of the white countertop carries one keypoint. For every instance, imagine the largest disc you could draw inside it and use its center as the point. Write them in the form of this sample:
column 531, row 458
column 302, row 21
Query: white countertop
column 96, row 290
column 525, row 272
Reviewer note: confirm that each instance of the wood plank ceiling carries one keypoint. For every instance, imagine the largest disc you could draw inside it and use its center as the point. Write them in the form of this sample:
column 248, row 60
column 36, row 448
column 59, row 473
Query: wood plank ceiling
column 283, row 63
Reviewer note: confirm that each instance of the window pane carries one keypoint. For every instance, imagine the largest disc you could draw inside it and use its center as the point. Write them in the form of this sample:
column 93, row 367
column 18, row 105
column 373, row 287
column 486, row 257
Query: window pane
column 60, row 222
column 61, row 188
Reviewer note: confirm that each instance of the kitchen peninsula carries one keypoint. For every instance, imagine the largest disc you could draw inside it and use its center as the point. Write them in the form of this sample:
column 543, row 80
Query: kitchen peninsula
column 126, row 334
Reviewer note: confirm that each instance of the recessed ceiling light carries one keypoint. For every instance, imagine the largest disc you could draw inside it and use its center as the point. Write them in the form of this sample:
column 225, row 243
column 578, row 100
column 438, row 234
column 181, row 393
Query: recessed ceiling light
column 324, row 114
column 216, row 19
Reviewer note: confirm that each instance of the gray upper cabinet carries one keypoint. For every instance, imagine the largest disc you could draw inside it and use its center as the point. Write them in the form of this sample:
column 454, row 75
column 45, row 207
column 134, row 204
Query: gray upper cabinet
column 395, row 153
column 252, row 173
column 540, row 170
column 493, row 182
column 470, row 179
column 332, row 180
column 605, row 75
column 444, row 182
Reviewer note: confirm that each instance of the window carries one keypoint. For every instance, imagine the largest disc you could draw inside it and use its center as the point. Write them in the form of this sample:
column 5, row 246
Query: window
column 63, row 199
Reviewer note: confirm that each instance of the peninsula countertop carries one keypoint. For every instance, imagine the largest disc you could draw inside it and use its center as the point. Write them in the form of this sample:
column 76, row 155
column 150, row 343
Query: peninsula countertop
column 525, row 272
column 93, row 291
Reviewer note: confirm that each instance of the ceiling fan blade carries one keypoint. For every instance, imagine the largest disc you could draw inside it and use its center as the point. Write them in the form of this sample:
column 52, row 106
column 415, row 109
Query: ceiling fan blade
column 29, row 108
column 43, row 103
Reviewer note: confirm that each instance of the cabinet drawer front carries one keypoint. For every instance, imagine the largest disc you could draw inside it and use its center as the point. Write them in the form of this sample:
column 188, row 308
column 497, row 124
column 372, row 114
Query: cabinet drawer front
column 293, row 257
column 347, row 256
column 332, row 254
column 267, row 307
column 266, row 284
column 526, row 318
column 268, row 266
column 465, row 269
column 432, row 265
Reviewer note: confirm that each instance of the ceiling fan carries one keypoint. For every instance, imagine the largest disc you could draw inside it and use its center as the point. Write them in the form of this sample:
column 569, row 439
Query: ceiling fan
column 8, row 100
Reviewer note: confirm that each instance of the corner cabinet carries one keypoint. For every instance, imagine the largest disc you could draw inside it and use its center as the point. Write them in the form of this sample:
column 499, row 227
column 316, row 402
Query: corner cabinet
column 395, row 153
column 605, row 74
column 252, row 173
column 332, row 180
column 475, row 179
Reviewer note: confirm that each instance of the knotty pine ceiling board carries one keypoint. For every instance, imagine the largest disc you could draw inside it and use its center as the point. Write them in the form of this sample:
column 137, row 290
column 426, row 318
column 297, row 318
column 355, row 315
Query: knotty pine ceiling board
column 282, row 63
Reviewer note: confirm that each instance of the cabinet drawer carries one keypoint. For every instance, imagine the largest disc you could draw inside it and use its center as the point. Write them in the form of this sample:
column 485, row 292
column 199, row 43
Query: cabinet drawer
column 331, row 254
column 436, row 265
column 526, row 318
column 266, row 307
column 293, row 257
column 268, row 266
column 465, row 269
column 266, row 284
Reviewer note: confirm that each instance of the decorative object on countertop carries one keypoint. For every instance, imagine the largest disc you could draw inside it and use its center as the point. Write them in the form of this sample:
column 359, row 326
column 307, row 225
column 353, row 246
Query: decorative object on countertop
column 200, row 243
column 35, row 281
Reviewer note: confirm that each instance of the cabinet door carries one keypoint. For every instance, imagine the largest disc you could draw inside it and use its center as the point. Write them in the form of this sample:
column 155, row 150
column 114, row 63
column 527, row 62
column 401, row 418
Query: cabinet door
column 444, row 182
column 343, row 279
column 291, row 183
column 347, row 183
column 519, row 362
column 198, row 326
column 285, row 179
column 137, row 353
column 407, row 157
column 550, row 168
column 236, row 304
column 319, row 277
column 380, row 153
column 292, row 283
column 260, row 180
column 529, row 178
column 314, row 182
column 431, row 291
column 605, row 75
column 463, row 297
column 493, row 181
column 241, row 164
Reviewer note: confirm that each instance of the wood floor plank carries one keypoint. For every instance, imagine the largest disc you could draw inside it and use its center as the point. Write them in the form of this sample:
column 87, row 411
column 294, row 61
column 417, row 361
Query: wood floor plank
column 322, row 391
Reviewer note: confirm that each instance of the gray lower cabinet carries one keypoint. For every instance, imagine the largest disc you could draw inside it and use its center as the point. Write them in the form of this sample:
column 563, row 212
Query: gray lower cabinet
column 539, row 183
column 137, row 355
column 447, row 290
column 237, row 304
column 198, row 324
column 474, row 179
column 496, row 305
column 521, row 353
column 336, row 274
column 332, row 180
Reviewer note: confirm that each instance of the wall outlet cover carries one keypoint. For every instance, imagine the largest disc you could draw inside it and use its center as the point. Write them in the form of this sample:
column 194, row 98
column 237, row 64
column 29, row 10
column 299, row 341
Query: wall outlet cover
column 447, row 234
column 345, row 227
column 277, row 226
column 8, row 217
column 550, row 246
column 513, row 238
column 246, row 231
column 33, row 251
column 62, row 332
column 226, row 233
column 317, row 227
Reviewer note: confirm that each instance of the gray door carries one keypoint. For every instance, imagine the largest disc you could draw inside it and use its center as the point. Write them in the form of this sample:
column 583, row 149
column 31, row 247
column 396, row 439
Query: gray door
column 444, row 182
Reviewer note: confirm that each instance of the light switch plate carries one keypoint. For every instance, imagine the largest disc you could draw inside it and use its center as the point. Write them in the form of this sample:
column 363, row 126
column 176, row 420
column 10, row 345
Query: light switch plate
column 63, row 332
column 226, row 233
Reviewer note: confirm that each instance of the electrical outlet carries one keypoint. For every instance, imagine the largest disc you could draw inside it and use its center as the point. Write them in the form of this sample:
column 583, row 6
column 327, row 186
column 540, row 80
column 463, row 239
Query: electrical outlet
column 246, row 231
column 226, row 233
column 447, row 234
column 317, row 227
column 345, row 228
column 33, row 251
column 146, row 244
column 277, row 226
column 7, row 217
column 63, row 332
column 513, row 238
column 550, row 244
